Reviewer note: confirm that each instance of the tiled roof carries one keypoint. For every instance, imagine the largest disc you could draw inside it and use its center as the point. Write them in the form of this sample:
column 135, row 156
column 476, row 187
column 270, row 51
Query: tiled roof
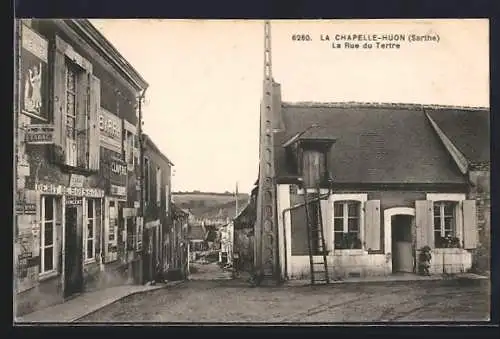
column 375, row 143
column 468, row 130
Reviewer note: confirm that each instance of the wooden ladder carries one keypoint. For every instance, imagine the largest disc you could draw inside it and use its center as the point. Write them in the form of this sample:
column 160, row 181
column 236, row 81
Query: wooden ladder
column 319, row 269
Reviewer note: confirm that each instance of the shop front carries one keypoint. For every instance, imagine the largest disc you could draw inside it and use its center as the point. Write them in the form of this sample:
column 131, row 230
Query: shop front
column 58, row 229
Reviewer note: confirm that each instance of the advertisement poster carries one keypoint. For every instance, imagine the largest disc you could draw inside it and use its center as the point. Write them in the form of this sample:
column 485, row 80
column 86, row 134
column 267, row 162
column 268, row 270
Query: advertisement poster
column 34, row 80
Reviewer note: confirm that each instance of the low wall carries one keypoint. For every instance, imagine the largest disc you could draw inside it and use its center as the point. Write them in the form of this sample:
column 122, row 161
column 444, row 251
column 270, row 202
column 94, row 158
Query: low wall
column 358, row 263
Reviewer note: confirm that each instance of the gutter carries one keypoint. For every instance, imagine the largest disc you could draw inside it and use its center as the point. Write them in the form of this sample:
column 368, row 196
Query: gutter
column 288, row 209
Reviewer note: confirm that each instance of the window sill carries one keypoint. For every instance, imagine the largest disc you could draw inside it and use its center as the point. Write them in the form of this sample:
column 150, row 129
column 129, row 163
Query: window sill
column 447, row 250
column 349, row 252
column 47, row 275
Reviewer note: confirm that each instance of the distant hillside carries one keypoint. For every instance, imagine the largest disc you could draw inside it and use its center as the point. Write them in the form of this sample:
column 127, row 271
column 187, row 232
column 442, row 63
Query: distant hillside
column 210, row 205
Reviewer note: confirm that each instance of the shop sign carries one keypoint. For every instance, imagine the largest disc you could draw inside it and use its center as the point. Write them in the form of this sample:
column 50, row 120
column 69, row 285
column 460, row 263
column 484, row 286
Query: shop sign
column 153, row 223
column 74, row 201
column 40, row 134
column 34, row 73
column 118, row 190
column 137, row 204
column 74, row 191
column 129, row 212
column 118, row 167
column 76, row 180
column 110, row 127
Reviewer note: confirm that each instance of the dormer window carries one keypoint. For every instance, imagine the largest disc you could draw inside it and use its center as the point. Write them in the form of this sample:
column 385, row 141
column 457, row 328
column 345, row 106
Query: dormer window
column 307, row 156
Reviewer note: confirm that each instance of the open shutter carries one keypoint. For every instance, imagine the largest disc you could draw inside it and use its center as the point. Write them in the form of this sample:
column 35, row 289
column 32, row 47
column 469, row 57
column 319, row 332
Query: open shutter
column 470, row 224
column 85, row 203
column 59, row 100
column 372, row 225
column 326, row 225
column 82, row 118
column 107, row 257
column 423, row 224
column 93, row 125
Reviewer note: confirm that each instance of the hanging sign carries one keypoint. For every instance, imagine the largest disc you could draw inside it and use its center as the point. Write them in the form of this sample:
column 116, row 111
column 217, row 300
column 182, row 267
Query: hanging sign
column 34, row 68
column 39, row 134
column 118, row 190
column 76, row 180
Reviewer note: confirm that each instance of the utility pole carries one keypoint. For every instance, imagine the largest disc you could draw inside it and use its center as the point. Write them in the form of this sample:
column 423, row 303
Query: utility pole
column 141, row 184
column 266, row 235
column 237, row 209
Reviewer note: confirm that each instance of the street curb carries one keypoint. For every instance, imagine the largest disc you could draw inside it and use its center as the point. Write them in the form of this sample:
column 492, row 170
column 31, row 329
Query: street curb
column 160, row 287
column 306, row 283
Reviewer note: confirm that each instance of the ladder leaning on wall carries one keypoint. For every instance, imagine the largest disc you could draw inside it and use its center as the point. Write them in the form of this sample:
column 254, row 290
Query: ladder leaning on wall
column 318, row 269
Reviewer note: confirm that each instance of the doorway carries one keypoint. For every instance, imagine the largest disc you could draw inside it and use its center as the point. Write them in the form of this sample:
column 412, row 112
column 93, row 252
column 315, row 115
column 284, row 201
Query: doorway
column 402, row 245
column 73, row 275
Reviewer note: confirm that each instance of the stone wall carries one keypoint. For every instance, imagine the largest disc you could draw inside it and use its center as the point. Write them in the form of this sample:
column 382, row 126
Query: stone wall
column 480, row 191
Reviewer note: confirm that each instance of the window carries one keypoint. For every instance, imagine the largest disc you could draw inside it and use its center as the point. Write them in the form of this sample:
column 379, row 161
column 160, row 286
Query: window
column 158, row 185
column 346, row 220
column 444, row 224
column 48, row 235
column 90, row 229
column 146, row 180
column 71, row 113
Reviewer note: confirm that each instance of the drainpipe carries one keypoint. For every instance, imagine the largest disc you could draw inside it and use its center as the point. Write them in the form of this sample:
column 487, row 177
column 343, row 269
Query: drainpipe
column 294, row 207
column 141, row 182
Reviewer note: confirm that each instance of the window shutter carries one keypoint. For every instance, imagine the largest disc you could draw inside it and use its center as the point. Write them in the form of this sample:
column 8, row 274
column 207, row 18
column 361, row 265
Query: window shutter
column 85, row 202
column 107, row 257
column 93, row 126
column 81, row 119
column 424, row 224
column 470, row 224
column 59, row 100
column 325, row 218
column 372, row 225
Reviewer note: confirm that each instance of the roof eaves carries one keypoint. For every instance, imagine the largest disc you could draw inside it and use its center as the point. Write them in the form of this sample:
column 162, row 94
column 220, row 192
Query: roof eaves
column 355, row 104
column 458, row 157
column 155, row 148
column 100, row 41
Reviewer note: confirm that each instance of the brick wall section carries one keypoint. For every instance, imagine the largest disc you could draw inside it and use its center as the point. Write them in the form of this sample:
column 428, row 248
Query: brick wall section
column 479, row 178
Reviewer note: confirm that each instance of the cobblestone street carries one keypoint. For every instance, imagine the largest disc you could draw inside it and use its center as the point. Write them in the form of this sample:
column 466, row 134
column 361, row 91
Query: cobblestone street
column 235, row 301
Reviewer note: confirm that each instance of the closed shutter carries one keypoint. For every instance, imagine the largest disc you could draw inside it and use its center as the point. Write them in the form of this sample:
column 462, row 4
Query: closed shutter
column 59, row 100
column 93, row 125
column 372, row 225
column 424, row 224
column 470, row 224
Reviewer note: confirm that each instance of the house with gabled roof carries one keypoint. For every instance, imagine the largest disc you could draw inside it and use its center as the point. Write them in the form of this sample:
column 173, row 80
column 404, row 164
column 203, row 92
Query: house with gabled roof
column 398, row 177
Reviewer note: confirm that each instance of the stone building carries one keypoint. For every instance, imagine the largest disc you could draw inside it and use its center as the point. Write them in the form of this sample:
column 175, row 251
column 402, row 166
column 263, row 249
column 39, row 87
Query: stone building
column 77, row 190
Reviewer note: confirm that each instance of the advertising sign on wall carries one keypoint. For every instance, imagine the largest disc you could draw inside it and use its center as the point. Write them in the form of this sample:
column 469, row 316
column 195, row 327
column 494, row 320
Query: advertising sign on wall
column 34, row 80
column 75, row 191
column 110, row 127
column 40, row 134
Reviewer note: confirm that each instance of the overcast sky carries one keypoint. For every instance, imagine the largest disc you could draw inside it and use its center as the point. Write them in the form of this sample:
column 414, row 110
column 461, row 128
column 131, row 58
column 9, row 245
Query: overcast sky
column 205, row 77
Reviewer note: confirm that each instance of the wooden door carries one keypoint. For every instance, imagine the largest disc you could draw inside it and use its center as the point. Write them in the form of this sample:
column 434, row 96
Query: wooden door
column 73, row 279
